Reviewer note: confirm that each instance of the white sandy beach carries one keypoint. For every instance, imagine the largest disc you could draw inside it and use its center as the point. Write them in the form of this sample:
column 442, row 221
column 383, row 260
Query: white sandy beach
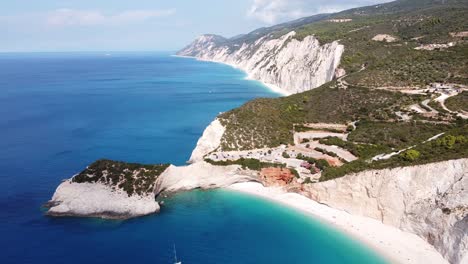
column 393, row 244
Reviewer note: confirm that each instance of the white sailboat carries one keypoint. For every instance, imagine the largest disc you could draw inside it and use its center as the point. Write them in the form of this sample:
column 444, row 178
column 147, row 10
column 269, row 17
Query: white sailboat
column 175, row 257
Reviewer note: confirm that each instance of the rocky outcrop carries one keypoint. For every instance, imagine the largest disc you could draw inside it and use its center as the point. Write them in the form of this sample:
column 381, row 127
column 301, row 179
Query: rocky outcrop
column 276, row 176
column 99, row 200
column 384, row 38
column 118, row 190
column 208, row 142
column 429, row 200
column 288, row 63
column 108, row 189
column 202, row 175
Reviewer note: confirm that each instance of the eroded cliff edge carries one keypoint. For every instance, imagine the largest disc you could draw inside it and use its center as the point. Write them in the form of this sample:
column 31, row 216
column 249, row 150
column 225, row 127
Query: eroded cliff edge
column 118, row 190
column 285, row 62
column 429, row 200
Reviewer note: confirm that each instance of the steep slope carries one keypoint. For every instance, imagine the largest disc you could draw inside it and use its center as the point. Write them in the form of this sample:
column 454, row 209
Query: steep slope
column 285, row 62
column 108, row 189
column 346, row 39
column 429, row 200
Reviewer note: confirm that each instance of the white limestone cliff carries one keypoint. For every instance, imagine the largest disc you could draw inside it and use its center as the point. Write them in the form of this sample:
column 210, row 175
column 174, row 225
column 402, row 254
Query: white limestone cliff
column 111, row 201
column 428, row 200
column 99, row 200
column 208, row 142
column 285, row 62
column 201, row 175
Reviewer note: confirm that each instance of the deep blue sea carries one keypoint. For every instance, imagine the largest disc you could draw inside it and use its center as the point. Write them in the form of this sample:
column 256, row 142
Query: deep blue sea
column 61, row 111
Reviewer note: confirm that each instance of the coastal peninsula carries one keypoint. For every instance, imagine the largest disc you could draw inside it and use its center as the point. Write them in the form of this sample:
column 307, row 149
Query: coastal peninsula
column 373, row 138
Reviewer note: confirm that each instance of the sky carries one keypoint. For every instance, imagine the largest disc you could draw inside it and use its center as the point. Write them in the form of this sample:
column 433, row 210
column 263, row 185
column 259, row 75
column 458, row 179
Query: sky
column 143, row 25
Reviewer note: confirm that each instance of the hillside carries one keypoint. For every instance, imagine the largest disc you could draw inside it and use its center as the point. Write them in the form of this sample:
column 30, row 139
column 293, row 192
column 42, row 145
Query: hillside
column 411, row 24
column 399, row 88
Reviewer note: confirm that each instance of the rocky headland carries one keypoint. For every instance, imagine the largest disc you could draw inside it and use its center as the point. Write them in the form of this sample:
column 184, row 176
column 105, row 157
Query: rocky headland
column 285, row 63
column 119, row 190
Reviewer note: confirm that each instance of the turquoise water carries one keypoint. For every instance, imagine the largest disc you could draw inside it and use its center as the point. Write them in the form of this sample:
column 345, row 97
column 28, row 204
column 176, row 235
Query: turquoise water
column 61, row 111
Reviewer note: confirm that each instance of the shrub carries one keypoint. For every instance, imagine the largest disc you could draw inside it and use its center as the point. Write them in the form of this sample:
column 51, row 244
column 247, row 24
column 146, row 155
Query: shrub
column 307, row 181
column 286, row 155
column 326, row 152
column 410, row 155
column 252, row 164
column 322, row 164
column 449, row 141
column 294, row 171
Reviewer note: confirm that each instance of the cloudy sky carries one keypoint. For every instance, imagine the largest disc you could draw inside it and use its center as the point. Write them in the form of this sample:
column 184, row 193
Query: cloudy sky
column 113, row 25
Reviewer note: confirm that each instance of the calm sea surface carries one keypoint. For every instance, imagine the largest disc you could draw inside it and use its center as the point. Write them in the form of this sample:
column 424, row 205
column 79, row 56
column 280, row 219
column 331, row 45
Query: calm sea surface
column 61, row 111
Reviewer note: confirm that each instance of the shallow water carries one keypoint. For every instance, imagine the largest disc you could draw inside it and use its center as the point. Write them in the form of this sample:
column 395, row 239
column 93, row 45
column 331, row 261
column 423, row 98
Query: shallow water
column 61, row 111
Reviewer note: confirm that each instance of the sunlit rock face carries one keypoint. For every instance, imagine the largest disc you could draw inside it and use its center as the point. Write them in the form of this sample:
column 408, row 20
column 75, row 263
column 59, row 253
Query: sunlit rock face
column 428, row 200
column 287, row 63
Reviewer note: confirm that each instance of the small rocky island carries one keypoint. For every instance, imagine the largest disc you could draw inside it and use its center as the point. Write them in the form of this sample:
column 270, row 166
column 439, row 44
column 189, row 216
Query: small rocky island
column 108, row 189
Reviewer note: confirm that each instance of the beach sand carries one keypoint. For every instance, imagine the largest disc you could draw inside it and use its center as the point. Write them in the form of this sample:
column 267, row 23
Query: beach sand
column 390, row 242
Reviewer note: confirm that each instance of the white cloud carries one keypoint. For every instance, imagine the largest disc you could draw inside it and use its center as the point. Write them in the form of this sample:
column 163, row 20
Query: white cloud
column 274, row 11
column 71, row 17
column 66, row 17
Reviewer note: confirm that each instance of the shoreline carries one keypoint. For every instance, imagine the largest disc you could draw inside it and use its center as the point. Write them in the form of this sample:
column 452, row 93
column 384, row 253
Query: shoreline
column 390, row 243
column 271, row 87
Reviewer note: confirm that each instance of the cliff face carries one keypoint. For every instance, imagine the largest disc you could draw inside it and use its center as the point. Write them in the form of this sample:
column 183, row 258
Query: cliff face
column 118, row 190
column 285, row 62
column 99, row 200
column 429, row 200
column 209, row 141
column 108, row 189
column 202, row 175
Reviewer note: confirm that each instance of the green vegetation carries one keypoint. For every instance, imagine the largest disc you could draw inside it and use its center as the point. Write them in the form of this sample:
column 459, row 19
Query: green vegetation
column 458, row 103
column 364, row 151
column 413, row 23
column 270, row 122
column 410, row 155
column 252, row 164
column 307, row 181
column 428, row 109
column 131, row 177
column 395, row 135
column 454, row 145
column 294, row 171
column 321, row 164
column 438, row 107
column 326, row 152
column 450, row 141
column 404, row 66
column 369, row 64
